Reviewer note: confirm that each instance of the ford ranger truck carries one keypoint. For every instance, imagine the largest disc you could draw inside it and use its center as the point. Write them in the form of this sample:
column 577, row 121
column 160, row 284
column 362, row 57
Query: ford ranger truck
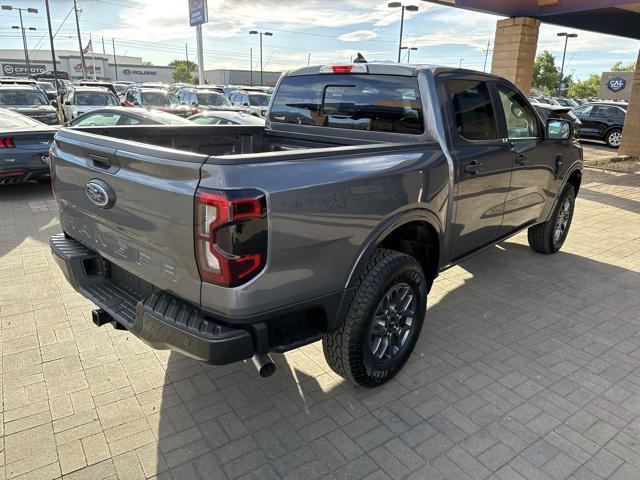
column 226, row 243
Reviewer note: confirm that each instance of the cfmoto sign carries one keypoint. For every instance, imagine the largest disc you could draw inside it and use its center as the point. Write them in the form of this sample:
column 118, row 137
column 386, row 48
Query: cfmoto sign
column 616, row 84
column 20, row 69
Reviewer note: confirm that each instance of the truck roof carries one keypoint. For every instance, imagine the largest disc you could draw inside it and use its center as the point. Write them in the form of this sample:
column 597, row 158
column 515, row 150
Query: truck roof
column 386, row 69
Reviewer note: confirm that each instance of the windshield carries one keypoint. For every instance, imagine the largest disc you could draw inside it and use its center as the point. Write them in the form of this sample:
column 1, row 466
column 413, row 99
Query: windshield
column 166, row 118
column 381, row 103
column 159, row 99
column 95, row 99
column 46, row 85
column 22, row 97
column 259, row 100
column 213, row 100
column 9, row 119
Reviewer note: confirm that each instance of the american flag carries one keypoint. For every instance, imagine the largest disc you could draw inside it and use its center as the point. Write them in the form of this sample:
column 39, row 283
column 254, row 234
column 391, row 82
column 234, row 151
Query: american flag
column 88, row 48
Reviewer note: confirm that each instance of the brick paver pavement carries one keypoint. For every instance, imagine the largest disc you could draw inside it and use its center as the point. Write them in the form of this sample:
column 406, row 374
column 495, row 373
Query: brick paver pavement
column 528, row 368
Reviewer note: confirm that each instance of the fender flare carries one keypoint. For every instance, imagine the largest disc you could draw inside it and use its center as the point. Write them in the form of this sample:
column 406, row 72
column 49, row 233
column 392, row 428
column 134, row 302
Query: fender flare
column 575, row 167
column 388, row 226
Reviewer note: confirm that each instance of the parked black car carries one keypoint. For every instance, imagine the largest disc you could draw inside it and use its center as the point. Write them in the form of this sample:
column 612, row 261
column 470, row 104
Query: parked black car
column 24, row 148
column 30, row 101
column 602, row 121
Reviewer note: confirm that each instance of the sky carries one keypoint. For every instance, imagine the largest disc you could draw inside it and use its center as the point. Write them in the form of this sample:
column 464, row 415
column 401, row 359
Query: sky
column 322, row 31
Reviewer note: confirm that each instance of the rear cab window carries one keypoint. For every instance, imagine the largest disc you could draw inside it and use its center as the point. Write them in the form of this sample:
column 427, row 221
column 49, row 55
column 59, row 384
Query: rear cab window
column 376, row 103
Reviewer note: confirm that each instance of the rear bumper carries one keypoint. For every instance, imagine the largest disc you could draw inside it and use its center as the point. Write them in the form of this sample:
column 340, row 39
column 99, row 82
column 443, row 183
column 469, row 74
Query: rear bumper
column 156, row 317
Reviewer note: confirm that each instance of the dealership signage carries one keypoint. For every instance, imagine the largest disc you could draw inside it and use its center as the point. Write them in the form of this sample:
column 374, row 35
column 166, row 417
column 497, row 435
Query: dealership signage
column 616, row 84
column 198, row 13
column 20, row 69
column 129, row 71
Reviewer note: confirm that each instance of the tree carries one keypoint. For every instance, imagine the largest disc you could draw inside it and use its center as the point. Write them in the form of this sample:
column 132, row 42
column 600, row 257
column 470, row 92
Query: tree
column 619, row 67
column 182, row 74
column 545, row 72
column 183, row 70
column 585, row 88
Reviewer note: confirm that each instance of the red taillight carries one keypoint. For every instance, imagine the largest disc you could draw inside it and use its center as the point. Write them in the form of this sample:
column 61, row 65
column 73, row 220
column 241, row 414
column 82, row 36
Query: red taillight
column 231, row 235
column 7, row 142
column 341, row 68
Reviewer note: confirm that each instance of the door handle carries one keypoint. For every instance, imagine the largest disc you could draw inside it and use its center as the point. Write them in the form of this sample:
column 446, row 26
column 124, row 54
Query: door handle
column 473, row 167
column 521, row 159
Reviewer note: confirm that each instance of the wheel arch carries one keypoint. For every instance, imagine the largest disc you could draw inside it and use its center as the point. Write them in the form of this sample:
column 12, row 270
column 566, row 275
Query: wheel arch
column 417, row 233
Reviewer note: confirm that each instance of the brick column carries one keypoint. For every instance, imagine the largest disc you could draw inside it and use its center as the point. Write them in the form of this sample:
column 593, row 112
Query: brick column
column 631, row 134
column 515, row 50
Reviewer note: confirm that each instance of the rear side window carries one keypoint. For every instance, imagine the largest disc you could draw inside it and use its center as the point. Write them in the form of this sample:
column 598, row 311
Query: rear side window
column 474, row 114
column 376, row 103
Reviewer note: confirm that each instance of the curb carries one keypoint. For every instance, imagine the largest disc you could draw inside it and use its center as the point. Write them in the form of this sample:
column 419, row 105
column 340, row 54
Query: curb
column 606, row 160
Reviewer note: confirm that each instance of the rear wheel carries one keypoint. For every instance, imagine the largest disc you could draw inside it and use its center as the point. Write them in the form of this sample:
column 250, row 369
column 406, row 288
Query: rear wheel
column 383, row 322
column 548, row 237
column 614, row 138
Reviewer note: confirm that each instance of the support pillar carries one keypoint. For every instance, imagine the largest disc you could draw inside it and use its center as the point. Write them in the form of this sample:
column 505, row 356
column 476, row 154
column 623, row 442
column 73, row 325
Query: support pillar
column 514, row 50
column 631, row 133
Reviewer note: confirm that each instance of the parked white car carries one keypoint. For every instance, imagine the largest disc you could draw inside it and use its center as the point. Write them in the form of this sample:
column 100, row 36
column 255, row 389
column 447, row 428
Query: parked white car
column 82, row 99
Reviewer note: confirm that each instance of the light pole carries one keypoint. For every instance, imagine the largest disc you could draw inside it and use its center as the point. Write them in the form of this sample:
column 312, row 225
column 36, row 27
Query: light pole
column 21, row 27
column 460, row 64
column 566, row 36
column 266, row 34
column 409, row 49
column 410, row 8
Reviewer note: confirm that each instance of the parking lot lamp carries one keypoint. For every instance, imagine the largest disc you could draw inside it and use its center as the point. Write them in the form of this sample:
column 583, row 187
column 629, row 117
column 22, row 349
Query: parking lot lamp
column 21, row 27
column 409, row 49
column 410, row 8
column 267, row 34
column 566, row 36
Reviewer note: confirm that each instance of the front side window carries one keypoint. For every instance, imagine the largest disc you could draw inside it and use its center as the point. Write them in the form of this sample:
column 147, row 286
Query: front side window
column 473, row 110
column 583, row 112
column 521, row 121
column 379, row 103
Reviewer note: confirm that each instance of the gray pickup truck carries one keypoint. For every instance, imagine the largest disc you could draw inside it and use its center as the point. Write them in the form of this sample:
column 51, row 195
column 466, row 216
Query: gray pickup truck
column 226, row 243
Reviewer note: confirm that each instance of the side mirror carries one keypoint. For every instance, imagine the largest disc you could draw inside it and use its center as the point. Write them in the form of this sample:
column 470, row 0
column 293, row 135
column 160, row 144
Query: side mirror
column 195, row 104
column 136, row 104
column 558, row 129
column 54, row 103
column 246, row 104
column 122, row 104
column 67, row 102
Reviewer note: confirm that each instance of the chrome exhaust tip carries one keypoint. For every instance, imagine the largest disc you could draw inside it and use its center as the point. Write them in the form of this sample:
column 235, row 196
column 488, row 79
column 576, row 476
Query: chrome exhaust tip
column 264, row 364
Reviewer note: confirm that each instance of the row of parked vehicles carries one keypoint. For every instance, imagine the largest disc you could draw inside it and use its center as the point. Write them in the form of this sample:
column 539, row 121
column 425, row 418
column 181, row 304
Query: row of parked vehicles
column 601, row 120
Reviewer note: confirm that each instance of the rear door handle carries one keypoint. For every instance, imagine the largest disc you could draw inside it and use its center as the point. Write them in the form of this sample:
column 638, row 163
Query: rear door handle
column 521, row 159
column 473, row 167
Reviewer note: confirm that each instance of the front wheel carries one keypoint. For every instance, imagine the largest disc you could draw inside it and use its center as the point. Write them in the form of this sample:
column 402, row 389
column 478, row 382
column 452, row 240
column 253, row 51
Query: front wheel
column 549, row 236
column 614, row 138
column 383, row 322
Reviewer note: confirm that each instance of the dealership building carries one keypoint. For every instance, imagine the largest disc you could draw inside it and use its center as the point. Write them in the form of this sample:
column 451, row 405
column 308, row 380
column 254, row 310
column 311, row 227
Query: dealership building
column 616, row 86
column 240, row 77
column 130, row 68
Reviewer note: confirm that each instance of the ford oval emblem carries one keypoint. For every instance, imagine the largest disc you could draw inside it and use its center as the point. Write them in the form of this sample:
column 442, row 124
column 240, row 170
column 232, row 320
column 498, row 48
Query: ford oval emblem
column 100, row 193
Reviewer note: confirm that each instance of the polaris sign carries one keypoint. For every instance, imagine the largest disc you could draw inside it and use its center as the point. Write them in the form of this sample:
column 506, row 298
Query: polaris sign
column 20, row 69
column 616, row 84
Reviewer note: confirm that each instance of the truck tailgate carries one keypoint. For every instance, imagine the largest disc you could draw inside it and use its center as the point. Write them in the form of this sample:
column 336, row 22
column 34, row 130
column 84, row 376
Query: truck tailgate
column 145, row 223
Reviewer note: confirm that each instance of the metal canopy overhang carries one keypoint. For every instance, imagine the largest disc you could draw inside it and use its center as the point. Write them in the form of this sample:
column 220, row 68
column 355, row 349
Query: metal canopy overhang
column 614, row 17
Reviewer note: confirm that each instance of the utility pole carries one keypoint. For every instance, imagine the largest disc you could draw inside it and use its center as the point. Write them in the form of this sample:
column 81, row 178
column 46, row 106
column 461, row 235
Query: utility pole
column 186, row 52
column 22, row 29
column 53, row 58
column 84, row 65
column 486, row 55
column 460, row 66
column 251, row 66
column 103, row 51
column 308, row 59
column 115, row 60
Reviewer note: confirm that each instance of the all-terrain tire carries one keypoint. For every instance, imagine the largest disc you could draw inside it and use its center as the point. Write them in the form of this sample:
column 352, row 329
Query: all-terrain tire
column 348, row 350
column 543, row 237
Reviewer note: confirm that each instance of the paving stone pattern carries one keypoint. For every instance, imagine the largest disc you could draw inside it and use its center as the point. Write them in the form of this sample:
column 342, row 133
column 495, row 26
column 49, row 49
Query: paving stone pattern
column 528, row 368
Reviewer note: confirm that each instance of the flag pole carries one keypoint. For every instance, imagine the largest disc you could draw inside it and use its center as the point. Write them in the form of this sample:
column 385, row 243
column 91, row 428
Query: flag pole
column 93, row 57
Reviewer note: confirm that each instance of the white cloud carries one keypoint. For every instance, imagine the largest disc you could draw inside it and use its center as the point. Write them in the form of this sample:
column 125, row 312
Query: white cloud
column 358, row 36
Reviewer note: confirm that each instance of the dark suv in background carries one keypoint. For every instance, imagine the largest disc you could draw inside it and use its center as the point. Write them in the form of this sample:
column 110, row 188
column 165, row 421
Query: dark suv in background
column 602, row 121
column 30, row 101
